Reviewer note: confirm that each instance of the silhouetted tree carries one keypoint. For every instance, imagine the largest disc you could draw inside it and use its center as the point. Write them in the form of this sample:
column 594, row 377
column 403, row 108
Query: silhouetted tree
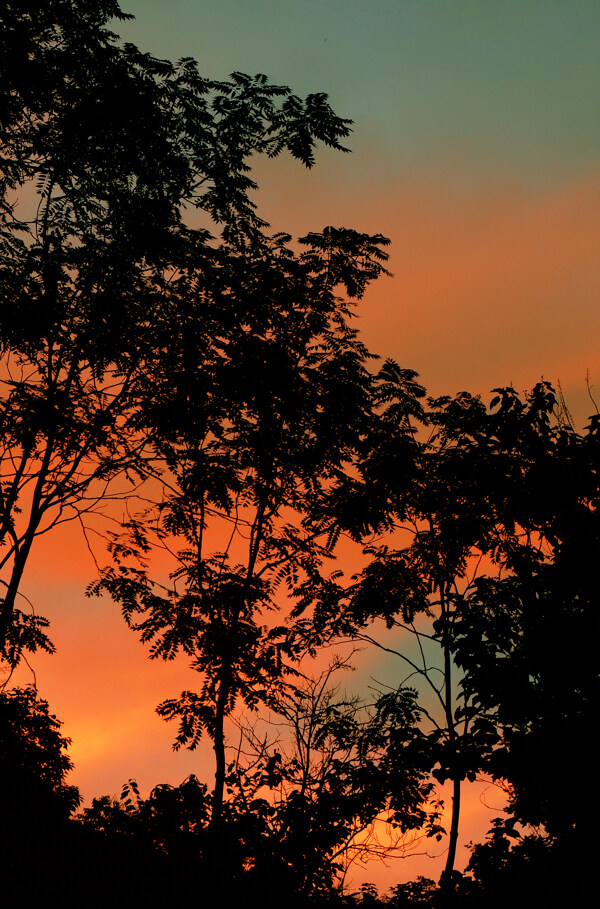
column 341, row 780
column 132, row 341
column 518, row 868
column 225, row 367
column 474, row 498
column 35, row 797
column 293, row 808
column 526, row 647
column 104, row 149
column 420, row 892
column 257, row 438
column 168, row 828
column 34, row 760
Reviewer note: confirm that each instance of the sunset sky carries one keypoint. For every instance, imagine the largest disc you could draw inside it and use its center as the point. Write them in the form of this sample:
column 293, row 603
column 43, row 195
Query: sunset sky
column 476, row 149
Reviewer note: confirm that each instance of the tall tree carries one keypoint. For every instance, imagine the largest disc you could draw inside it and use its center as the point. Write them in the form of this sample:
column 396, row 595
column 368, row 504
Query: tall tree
column 257, row 438
column 103, row 151
column 36, row 798
column 471, row 504
column 525, row 644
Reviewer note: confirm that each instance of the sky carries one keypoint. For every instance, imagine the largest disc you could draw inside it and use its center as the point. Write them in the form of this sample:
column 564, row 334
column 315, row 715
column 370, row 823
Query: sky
column 476, row 149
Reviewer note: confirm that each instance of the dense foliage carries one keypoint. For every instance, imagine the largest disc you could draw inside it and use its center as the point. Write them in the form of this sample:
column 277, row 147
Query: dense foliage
column 104, row 151
column 159, row 345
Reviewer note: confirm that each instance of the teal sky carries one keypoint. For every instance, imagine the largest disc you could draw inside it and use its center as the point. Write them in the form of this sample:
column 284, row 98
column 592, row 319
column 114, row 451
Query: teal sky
column 476, row 84
column 476, row 149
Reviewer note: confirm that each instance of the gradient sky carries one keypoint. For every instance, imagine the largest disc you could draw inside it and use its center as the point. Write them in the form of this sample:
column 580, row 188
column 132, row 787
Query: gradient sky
column 476, row 149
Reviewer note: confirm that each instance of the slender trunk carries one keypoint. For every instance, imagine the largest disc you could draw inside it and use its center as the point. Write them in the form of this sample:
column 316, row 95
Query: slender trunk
column 446, row 883
column 215, row 850
column 22, row 554
column 219, row 749
column 8, row 606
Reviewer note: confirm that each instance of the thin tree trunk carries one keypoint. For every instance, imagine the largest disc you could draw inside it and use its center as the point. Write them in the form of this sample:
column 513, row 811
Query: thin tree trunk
column 22, row 553
column 12, row 589
column 215, row 850
column 446, row 882
column 219, row 749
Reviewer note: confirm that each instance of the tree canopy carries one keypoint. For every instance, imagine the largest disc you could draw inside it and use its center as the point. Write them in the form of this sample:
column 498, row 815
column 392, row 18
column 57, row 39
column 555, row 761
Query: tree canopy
column 159, row 346
column 105, row 152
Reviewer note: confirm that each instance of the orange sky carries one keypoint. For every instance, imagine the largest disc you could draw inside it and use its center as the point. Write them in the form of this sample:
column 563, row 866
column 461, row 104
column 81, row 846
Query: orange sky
column 485, row 176
column 494, row 288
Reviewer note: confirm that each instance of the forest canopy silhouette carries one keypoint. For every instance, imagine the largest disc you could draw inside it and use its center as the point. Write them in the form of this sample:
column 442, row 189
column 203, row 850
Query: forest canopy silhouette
column 161, row 348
